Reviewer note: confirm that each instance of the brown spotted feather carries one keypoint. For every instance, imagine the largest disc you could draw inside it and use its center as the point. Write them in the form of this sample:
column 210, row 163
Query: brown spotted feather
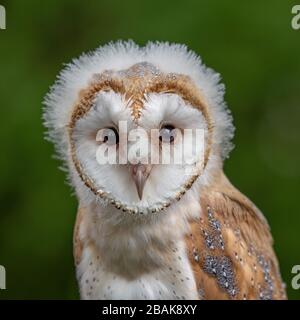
column 230, row 248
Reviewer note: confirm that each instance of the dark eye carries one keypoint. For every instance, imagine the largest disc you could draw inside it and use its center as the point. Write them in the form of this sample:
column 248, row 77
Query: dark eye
column 109, row 136
column 167, row 134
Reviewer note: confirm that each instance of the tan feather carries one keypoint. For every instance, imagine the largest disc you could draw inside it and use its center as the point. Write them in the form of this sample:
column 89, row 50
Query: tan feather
column 230, row 248
column 78, row 244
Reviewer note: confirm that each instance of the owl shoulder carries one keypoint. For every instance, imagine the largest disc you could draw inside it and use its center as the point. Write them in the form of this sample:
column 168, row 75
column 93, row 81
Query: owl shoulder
column 231, row 249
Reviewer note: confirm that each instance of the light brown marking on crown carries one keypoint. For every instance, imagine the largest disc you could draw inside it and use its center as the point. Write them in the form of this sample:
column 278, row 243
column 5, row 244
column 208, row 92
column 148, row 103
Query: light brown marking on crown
column 135, row 83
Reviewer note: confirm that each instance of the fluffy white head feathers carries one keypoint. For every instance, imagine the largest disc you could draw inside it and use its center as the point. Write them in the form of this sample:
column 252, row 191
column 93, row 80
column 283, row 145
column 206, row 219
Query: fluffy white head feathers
column 122, row 89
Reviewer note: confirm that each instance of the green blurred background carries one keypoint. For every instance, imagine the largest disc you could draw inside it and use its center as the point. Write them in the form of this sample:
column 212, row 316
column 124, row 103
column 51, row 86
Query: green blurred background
column 250, row 43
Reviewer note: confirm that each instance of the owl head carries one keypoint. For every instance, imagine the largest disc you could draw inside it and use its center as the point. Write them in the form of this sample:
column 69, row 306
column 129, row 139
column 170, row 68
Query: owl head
column 137, row 127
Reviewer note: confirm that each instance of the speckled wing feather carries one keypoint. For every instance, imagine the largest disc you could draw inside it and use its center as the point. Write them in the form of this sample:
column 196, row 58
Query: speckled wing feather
column 230, row 248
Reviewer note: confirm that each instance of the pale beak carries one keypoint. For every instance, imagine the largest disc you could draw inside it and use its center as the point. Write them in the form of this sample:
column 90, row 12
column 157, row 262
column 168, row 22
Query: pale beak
column 140, row 174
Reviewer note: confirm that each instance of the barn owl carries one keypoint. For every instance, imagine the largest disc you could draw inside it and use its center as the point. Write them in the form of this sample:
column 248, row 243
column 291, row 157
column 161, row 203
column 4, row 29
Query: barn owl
column 158, row 230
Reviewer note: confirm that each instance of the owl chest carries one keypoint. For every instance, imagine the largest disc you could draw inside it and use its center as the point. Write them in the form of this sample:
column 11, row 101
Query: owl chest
column 172, row 280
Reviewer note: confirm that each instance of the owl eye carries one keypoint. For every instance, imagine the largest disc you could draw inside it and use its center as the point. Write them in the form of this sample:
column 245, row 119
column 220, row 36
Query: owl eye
column 109, row 136
column 166, row 134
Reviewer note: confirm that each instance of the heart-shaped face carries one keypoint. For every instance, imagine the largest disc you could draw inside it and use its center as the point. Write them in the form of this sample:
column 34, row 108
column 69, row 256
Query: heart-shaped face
column 137, row 140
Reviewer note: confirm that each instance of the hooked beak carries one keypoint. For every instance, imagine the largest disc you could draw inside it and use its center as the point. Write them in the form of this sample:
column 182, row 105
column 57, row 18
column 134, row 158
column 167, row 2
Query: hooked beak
column 140, row 174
